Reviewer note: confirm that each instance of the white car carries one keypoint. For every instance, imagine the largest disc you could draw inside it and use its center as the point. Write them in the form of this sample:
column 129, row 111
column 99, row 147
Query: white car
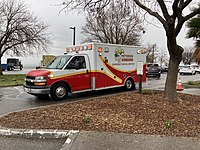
column 187, row 69
column 196, row 68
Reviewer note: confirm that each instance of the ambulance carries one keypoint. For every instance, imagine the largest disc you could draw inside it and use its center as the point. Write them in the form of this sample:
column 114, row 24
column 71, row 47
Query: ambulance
column 88, row 67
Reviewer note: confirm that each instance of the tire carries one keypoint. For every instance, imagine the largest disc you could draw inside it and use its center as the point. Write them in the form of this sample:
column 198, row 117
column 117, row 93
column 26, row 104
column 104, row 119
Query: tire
column 129, row 84
column 8, row 68
column 59, row 91
column 158, row 75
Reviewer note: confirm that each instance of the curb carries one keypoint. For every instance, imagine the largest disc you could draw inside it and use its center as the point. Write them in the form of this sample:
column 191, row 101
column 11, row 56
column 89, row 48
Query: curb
column 34, row 133
column 70, row 140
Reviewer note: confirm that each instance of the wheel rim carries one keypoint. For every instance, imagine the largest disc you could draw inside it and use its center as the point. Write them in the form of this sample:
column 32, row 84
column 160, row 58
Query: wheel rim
column 60, row 91
column 129, row 84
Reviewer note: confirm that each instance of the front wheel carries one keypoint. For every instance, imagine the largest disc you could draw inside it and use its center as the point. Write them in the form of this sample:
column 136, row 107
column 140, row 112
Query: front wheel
column 129, row 85
column 59, row 91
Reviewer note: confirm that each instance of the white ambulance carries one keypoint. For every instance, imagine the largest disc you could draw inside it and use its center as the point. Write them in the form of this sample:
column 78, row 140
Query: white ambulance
column 87, row 67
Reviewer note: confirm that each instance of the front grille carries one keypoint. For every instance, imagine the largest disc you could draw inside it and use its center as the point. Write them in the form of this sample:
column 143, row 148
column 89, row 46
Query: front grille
column 29, row 79
column 29, row 83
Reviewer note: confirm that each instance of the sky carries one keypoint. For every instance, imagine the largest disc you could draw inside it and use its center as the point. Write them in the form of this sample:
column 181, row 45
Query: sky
column 60, row 23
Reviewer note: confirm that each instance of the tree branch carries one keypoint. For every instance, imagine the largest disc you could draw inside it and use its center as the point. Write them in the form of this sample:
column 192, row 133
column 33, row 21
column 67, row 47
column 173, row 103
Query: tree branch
column 155, row 14
column 164, row 9
column 182, row 19
column 175, row 7
column 186, row 3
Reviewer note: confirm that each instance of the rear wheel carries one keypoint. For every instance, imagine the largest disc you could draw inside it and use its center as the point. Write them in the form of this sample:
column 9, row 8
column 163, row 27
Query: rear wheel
column 129, row 85
column 59, row 91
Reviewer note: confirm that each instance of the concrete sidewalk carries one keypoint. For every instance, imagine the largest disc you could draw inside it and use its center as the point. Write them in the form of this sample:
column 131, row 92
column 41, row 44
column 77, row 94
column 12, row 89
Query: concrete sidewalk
column 89, row 140
column 92, row 140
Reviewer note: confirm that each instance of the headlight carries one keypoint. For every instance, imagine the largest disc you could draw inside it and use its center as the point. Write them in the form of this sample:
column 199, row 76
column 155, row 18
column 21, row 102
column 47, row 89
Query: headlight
column 40, row 79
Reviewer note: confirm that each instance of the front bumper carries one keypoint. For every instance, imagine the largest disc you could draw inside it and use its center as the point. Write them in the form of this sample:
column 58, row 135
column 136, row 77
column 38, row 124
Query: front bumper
column 37, row 90
column 153, row 73
column 186, row 72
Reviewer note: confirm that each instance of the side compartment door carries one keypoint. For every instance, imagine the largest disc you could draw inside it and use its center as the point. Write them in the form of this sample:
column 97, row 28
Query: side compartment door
column 80, row 76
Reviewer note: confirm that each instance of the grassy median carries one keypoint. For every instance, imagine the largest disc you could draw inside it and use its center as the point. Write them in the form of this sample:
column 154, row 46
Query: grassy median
column 192, row 84
column 11, row 79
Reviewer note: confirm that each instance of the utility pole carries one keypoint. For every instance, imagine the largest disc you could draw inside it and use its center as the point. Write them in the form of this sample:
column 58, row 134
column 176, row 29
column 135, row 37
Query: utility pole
column 73, row 28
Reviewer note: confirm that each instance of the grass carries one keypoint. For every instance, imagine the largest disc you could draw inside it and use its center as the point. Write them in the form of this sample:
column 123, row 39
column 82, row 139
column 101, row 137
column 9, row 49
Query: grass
column 11, row 79
column 192, row 84
column 197, row 83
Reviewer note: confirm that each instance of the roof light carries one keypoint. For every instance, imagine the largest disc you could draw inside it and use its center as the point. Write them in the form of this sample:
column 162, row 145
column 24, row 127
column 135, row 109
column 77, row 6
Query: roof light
column 90, row 46
column 100, row 49
column 141, row 51
column 67, row 49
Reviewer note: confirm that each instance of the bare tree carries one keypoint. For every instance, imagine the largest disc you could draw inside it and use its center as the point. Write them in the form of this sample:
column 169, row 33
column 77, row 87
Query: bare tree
column 188, row 55
column 117, row 24
column 152, row 49
column 171, row 14
column 163, row 58
column 21, row 32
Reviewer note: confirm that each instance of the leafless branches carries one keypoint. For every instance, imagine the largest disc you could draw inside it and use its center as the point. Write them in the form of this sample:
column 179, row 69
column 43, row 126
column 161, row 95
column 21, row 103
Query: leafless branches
column 21, row 32
column 117, row 23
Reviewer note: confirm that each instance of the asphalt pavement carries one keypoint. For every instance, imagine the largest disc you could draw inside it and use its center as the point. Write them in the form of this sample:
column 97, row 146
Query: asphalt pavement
column 9, row 143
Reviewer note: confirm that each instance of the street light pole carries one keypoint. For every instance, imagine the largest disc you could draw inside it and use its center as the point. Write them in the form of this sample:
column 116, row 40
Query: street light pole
column 73, row 28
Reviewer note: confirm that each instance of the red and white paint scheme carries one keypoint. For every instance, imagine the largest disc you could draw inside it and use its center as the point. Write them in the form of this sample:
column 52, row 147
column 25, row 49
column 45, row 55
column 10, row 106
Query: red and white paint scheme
column 87, row 67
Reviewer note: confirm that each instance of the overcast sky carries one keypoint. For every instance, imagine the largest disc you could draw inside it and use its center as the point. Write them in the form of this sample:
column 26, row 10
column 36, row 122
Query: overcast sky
column 48, row 11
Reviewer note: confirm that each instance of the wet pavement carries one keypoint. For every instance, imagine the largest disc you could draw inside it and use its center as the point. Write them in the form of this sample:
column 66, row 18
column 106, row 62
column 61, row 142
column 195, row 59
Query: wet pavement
column 193, row 91
column 15, row 98
column 30, row 144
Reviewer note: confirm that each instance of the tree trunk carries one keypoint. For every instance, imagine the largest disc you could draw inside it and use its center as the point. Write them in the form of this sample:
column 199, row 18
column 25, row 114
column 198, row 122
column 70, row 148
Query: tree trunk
column 1, row 72
column 175, row 52
column 171, row 81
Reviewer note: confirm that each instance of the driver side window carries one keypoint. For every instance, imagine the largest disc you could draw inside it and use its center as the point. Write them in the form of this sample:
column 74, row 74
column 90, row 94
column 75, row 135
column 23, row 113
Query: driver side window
column 77, row 62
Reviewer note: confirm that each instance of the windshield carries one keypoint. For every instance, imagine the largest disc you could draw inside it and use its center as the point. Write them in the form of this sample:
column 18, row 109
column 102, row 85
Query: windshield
column 58, row 63
column 152, row 65
column 185, row 66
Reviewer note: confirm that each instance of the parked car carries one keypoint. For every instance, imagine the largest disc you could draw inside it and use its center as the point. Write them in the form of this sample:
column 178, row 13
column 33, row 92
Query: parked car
column 164, row 68
column 153, row 69
column 180, row 66
column 187, row 69
column 196, row 68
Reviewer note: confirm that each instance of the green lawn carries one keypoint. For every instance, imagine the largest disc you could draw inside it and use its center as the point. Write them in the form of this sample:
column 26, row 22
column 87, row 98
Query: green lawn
column 192, row 84
column 11, row 79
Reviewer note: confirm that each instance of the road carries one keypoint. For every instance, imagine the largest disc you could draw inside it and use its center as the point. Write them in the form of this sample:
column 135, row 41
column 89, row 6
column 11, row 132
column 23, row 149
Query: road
column 159, row 83
column 15, row 99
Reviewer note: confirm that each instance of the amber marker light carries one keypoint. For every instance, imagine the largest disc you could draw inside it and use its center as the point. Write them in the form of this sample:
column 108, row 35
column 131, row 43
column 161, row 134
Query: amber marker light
column 39, row 83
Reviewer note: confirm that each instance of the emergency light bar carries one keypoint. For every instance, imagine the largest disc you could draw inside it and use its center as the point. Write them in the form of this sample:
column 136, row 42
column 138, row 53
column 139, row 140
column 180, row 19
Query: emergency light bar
column 141, row 51
column 79, row 48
